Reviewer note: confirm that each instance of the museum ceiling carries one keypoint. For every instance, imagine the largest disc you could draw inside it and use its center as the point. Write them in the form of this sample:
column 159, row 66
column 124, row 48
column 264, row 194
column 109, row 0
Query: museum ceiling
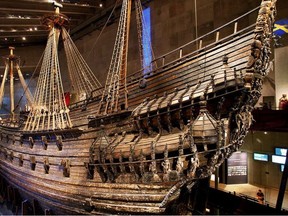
column 21, row 20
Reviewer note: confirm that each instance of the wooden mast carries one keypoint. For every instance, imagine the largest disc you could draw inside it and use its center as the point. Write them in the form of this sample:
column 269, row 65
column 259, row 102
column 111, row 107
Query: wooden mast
column 123, row 72
column 11, row 62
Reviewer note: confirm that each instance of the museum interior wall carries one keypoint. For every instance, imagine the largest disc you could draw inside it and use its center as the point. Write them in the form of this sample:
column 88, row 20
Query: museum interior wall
column 261, row 172
column 281, row 75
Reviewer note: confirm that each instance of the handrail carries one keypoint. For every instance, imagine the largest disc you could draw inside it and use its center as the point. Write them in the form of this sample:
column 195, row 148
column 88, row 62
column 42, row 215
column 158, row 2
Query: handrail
column 138, row 74
column 209, row 33
column 180, row 49
column 250, row 198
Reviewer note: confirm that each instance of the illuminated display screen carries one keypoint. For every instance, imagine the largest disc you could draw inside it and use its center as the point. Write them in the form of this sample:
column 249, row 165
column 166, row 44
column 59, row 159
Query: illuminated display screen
column 237, row 168
column 278, row 159
column 281, row 151
column 260, row 157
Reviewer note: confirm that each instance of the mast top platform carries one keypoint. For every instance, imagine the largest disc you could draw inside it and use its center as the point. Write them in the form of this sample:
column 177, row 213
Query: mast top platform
column 56, row 19
column 11, row 56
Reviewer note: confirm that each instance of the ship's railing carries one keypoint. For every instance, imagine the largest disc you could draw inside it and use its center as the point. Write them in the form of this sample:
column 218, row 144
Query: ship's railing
column 186, row 52
column 252, row 199
column 198, row 45
column 199, row 42
column 158, row 166
column 6, row 120
column 94, row 96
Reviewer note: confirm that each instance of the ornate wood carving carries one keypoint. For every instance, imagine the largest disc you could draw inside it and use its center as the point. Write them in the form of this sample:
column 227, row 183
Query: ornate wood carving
column 59, row 143
column 65, row 164
column 46, row 165
column 31, row 142
column 44, row 142
column 32, row 162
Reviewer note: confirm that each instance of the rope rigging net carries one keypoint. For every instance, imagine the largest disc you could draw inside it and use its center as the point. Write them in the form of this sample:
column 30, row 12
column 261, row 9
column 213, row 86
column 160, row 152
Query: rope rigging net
column 50, row 111
column 82, row 78
column 115, row 85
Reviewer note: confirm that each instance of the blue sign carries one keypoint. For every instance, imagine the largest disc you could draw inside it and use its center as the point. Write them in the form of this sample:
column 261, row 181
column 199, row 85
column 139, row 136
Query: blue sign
column 281, row 151
column 260, row 157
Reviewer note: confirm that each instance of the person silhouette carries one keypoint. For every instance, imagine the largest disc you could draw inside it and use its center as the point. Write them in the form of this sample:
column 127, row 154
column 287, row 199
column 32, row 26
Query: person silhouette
column 283, row 102
column 260, row 196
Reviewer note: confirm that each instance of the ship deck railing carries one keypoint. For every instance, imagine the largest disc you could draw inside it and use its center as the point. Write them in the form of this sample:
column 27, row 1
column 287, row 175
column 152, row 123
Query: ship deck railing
column 187, row 155
column 189, row 51
column 198, row 45
column 7, row 121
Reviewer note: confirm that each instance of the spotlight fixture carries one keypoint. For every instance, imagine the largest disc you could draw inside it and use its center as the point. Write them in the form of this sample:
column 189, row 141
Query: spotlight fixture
column 23, row 38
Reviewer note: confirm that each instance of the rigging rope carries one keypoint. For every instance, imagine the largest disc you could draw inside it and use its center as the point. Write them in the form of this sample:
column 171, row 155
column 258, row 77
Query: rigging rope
column 50, row 111
column 3, row 83
column 143, row 36
column 196, row 22
column 26, row 91
column 106, row 23
column 116, row 76
column 82, row 78
column 25, row 87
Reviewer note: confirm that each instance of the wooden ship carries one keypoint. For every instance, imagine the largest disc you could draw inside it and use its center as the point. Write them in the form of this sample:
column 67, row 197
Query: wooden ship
column 139, row 144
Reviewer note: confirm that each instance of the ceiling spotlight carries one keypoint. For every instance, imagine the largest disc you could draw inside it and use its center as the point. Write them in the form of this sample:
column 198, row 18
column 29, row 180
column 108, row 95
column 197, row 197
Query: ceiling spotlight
column 23, row 38
column 5, row 39
column 31, row 29
column 101, row 5
column 35, row 28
